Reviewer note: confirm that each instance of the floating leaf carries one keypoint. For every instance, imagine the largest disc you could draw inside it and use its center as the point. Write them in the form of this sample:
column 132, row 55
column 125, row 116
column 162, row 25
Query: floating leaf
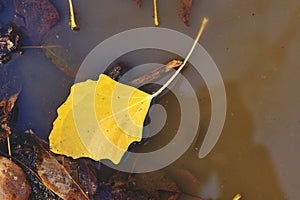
column 120, row 112
column 100, row 119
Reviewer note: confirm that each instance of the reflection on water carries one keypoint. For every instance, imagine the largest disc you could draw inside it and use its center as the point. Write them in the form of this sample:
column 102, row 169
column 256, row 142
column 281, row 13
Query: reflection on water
column 254, row 43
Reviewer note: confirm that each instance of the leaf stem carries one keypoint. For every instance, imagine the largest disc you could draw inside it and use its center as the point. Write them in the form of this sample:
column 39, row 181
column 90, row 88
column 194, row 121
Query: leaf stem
column 156, row 22
column 204, row 22
column 40, row 47
column 73, row 24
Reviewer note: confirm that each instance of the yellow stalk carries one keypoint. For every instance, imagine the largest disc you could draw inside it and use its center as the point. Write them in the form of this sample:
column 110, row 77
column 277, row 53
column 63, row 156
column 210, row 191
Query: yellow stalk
column 73, row 24
column 155, row 13
column 8, row 147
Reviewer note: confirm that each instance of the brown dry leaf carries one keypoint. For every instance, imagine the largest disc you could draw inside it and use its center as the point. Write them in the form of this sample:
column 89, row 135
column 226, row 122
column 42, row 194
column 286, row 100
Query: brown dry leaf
column 56, row 178
column 185, row 11
column 13, row 183
column 6, row 107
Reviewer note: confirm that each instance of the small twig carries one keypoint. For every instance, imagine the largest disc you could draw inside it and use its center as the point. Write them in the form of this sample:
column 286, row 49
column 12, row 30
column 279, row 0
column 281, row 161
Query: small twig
column 191, row 195
column 156, row 22
column 73, row 24
column 8, row 146
column 39, row 47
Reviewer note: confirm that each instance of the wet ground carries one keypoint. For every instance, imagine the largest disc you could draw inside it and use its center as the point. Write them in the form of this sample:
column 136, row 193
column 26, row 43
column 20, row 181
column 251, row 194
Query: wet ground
column 255, row 45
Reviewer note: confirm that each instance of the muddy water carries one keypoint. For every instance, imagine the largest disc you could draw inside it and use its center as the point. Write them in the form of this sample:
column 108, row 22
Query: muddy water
column 255, row 45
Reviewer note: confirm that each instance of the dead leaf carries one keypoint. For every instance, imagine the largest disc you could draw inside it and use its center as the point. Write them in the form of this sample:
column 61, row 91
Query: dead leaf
column 6, row 107
column 55, row 177
column 13, row 183
column 52, row 182
column 82, row 171
column 39, row 16
column 185, row 11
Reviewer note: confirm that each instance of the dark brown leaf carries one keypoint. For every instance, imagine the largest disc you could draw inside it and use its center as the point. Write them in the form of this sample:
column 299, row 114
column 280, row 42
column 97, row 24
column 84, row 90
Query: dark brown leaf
column 185, row 11
column 38, row 15
column 82, row 171
column 13, row 183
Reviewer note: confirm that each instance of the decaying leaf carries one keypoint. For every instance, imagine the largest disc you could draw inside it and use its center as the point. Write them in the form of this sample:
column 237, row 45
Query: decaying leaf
column 185, row 11
column 154, row 186
column 56, row 178
column 6, row 107
column 100, row 119
column 52, row 176
column 82, row 171
column 38, row 15
column 13, row 182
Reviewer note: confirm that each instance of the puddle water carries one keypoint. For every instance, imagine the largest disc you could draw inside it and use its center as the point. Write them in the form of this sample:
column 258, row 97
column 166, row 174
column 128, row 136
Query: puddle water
column 255, row 45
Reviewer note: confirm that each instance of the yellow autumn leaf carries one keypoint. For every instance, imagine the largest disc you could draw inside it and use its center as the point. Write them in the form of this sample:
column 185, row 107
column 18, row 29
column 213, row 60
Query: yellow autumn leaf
column 100, row 119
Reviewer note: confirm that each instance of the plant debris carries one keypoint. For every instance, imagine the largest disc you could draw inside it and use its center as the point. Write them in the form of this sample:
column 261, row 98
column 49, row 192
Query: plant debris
column 73, row 23
column 5, row 110
column 9, row 43
column 154, row 186
column 185, row 11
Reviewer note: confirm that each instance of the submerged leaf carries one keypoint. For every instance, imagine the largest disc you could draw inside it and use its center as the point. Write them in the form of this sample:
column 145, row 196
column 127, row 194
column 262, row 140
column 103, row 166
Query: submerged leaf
column 139, row 187
column 119, row 111
column 39, row 16
column 185, row 11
